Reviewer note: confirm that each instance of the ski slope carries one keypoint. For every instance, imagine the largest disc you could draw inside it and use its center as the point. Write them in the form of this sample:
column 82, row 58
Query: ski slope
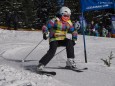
column 15, row 46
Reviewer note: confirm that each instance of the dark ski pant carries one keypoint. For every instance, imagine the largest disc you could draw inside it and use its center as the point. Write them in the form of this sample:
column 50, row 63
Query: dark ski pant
column 53, row 47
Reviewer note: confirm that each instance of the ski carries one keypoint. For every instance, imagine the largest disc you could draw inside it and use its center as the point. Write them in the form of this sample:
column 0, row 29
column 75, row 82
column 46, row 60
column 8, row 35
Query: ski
column 48, row 73
column 75, row 69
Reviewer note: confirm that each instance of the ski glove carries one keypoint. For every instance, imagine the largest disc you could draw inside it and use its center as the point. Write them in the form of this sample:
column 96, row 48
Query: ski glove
column 45, row 36
column 74, row 42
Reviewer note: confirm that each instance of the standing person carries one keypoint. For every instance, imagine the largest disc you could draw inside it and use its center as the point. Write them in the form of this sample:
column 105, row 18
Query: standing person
column 104, row 32
column 96, row 29
column 56, row 30
column 92, row 28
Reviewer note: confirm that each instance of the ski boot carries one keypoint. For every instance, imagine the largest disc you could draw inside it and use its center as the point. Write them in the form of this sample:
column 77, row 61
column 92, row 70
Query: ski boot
column 40, row 67
column 70, row 64
column 42, row 71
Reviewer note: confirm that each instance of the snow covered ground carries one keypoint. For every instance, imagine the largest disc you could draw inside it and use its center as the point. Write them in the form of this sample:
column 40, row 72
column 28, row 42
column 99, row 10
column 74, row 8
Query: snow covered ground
column 15, row 45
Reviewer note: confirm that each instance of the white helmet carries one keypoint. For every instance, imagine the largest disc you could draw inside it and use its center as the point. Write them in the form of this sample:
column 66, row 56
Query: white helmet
column 65, row 10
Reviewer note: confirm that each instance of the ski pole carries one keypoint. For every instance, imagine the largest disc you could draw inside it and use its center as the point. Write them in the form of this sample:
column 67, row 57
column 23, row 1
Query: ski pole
column 60, row 51
column 31, row 51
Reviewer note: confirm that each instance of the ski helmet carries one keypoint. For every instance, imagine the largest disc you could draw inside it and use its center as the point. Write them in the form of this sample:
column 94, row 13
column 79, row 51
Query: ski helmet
column 65, row 11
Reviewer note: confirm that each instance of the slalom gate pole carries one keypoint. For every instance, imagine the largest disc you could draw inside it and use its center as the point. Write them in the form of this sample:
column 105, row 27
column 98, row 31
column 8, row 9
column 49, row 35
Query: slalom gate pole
column 23, row 60
column 85, row 53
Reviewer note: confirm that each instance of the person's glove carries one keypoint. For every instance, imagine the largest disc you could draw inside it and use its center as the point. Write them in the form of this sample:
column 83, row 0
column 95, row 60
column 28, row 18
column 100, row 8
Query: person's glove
column 74, row 42
column 45, row 36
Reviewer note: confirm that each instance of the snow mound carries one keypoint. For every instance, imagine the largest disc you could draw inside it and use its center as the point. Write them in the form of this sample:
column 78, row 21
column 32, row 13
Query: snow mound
column 9, row 76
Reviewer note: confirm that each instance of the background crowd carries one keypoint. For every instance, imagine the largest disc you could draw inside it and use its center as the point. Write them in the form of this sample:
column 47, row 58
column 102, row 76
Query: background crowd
column 97, row 29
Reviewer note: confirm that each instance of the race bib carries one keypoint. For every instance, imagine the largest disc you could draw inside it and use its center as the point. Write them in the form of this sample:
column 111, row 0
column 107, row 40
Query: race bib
column 60, row 33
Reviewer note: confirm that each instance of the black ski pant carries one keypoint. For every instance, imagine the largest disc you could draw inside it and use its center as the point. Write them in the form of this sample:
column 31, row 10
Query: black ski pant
column 53, row 47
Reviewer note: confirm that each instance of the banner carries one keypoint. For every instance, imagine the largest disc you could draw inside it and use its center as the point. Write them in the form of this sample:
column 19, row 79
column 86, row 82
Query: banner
column 113, row 23
column 87, row 5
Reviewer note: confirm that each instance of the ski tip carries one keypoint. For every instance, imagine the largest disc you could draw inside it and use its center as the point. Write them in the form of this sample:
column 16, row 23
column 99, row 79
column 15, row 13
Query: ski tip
column 86, row 68
column 48, row 73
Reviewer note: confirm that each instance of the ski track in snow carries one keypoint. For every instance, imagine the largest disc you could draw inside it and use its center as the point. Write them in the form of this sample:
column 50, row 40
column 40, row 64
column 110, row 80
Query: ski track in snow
column 15, row 45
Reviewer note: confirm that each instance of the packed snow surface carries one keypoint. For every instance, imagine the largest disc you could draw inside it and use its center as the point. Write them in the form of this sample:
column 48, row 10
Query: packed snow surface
column 16, row 45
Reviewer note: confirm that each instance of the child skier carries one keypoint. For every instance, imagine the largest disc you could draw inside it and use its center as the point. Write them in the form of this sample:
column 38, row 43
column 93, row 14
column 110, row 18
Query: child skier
column 56, row 30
